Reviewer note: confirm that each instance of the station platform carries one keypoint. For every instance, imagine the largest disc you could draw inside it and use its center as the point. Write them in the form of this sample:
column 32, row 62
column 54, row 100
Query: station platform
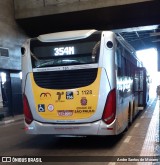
column 142, row 140
column 151, row 145
column 11, row 119
column 5, row 118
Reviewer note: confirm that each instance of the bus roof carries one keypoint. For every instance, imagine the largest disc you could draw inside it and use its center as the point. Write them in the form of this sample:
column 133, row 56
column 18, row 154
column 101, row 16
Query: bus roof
column 65, row 36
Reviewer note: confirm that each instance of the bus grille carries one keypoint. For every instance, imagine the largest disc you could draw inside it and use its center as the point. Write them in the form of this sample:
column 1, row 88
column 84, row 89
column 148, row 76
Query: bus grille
column 65, row 79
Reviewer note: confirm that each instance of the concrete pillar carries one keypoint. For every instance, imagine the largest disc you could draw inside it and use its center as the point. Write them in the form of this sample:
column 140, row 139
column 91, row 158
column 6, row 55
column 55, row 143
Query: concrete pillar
column 11, row 37
column 8, row 93
column 16, row 88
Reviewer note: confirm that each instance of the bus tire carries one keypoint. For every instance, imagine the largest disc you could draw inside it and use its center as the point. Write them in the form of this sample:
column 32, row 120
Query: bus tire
column 129, row 115
column 128, row 120
column 133, row 111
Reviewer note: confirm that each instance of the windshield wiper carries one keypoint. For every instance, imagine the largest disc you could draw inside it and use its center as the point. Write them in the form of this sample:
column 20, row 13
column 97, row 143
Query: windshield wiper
column 57, row 62
column 45, row 64
column 34, row 56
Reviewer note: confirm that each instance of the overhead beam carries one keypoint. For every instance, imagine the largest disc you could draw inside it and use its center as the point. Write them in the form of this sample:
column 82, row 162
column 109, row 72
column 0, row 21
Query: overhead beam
column 34, row 8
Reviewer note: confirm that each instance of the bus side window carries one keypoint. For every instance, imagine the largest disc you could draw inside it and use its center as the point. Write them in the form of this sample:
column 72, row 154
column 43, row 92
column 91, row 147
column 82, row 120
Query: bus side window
column 121, row 61
column 96, row 51
column 118, row 62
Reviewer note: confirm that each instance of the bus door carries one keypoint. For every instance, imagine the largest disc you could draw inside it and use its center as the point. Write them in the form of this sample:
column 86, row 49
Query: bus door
column 140, row 87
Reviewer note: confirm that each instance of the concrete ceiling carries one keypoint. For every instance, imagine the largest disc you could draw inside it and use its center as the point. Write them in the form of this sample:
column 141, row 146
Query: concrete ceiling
column 138, row 23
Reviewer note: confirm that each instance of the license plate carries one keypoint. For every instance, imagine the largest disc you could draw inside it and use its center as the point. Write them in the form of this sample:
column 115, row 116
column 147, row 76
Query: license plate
column 65, row 113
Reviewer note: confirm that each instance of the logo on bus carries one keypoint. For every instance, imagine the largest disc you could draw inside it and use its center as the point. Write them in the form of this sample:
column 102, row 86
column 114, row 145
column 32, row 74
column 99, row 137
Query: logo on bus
column 41, row 108
column 50, row 107
column 45, row 96
column 83, row 101
column 59, row 94
column 69, row 95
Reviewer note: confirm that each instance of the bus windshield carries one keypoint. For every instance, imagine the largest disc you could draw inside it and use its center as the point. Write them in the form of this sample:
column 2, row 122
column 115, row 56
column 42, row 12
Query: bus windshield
column 74, row 52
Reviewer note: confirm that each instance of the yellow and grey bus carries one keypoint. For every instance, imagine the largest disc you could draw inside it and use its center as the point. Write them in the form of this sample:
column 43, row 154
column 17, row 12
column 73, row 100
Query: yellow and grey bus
column 84, row 82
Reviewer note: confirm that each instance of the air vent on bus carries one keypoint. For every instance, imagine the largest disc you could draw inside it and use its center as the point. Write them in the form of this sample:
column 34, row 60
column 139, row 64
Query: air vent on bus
column 65, row 79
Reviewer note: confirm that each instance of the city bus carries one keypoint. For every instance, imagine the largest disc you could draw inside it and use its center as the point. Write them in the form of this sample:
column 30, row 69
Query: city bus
column 83, row 82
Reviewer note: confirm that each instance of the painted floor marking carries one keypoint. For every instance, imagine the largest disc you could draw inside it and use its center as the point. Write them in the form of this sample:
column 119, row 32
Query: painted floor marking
column 137, row 125
column 128, row 138
column 112, row 163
